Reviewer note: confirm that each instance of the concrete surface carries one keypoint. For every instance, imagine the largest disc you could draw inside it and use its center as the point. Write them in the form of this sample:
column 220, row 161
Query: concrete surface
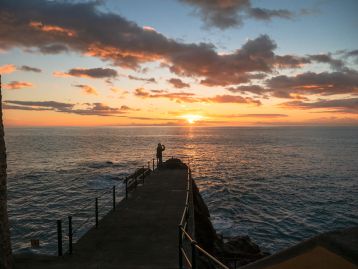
column 141, row 233
column 333, row 250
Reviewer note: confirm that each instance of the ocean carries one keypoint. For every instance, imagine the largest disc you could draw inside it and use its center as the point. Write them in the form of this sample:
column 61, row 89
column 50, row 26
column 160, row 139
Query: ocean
column 279, row 185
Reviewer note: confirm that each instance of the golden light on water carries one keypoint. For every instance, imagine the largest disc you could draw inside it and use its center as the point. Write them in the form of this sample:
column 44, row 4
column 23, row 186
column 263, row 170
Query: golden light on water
column 192, row 118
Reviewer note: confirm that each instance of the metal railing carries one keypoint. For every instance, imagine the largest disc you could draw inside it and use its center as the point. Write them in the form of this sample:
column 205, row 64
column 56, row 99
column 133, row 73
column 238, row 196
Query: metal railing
column 131, row 182
column 190, row 256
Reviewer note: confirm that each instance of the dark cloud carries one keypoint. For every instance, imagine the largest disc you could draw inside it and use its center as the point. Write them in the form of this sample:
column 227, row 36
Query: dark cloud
column 335, row 64
column 301, row 85
column 239, row 67
column 291, row 61
column 187, row 97
column 229, row 13
column 256, row 89
column 56, row 26
column 352, row 53
column 89, row 73
column 178, row 83
column 150, row 80
column 268, row 14
column 95, row 109
column 325, row 83
column 6, row 106
column 53, row 49
column 42, row 104
column 29, row 69
column 349, row 105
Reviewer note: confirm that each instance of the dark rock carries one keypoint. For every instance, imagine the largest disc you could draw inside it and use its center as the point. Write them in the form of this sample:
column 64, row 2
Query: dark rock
column 205, row 233
column 237, row 251
column 240, row 244
column 173, row 163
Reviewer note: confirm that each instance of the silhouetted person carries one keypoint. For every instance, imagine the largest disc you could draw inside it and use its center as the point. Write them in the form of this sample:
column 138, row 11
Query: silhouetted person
column 160, row 149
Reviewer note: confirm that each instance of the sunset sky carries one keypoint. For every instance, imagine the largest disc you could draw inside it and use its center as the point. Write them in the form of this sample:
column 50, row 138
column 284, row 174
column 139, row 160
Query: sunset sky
column 179, row 62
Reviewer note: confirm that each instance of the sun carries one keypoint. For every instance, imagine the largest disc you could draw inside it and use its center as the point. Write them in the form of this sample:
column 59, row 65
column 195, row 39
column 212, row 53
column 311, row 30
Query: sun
column 191, row 119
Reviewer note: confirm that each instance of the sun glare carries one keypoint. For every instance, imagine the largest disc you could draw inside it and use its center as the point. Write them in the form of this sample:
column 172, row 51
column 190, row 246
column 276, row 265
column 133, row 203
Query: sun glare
column 192, row 118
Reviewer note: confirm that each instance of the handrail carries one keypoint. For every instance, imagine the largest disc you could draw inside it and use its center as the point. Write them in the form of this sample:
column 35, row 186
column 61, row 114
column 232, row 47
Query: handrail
column 183, row 234
column 130, row 184
column 211, row 256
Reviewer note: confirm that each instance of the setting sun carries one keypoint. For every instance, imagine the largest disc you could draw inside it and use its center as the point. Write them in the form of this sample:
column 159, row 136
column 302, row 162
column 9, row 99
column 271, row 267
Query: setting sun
column 192, row 118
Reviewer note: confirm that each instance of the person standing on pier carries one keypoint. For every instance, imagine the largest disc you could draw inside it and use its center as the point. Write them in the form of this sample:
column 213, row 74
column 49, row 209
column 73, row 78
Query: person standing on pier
column 160, row 149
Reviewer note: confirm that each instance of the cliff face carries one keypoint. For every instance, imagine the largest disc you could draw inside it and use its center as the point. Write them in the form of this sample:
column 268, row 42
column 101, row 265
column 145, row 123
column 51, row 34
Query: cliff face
column 237, row 251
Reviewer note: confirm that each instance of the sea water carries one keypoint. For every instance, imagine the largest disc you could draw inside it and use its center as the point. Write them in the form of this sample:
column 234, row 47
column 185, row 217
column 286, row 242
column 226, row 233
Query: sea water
column 279, row 185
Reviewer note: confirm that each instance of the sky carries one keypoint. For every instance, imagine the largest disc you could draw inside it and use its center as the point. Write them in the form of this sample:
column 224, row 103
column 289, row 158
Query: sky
column 179, row 62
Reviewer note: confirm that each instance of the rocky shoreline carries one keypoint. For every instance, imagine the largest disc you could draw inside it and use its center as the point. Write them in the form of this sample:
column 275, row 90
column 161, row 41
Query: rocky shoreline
column 235, row 252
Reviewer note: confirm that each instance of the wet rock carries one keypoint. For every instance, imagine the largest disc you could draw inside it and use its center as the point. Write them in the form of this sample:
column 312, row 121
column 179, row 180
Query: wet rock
column 173, row 163
column 205, row 233
column 234, row 252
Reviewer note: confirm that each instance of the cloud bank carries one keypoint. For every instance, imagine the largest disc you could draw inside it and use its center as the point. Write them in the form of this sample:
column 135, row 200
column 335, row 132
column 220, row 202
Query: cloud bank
column 92, row 109
column 58, row 26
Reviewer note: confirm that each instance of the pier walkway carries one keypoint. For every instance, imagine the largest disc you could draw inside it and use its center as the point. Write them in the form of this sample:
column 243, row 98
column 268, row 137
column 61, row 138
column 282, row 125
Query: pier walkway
column 141, row 233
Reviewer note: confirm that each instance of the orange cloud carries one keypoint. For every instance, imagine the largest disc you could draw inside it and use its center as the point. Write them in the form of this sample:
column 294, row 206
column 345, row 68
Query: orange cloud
column 87, row 89
column 15, row 85
column 188, row 97
column 347, row 105
column 231, row 99
column 178, row 83
column 7, row 69
column 52, row 28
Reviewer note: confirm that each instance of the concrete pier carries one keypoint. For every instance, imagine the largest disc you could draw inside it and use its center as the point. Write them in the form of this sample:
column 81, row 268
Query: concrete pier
column 141, row 233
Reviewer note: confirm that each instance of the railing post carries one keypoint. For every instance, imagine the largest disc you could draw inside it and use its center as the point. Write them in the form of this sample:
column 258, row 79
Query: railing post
column 126, row 188
column 186, row 216
column 193, row 254
column 70, row 235
column 153, row 164
column 180, row 254
column 96, row 211
column 143, row 174
column 59, row 237
column 114, row 197
column 157, row 163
